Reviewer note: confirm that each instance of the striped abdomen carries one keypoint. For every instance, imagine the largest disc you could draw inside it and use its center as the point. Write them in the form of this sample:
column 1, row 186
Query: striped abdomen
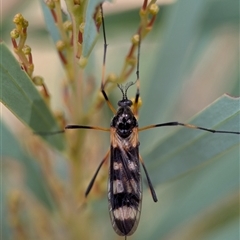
column 124, row 189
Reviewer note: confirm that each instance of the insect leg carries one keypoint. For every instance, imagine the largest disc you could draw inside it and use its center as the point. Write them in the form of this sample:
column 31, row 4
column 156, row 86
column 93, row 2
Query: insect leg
column 72, row 127
column 86, row 127
column 154, row 196
column 95, row 175
column 137, row 96
column 104, row 65
column 185, row 125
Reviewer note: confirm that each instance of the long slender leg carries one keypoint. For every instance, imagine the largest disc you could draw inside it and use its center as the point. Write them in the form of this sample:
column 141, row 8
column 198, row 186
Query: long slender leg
column 154, row 196
column 137, row 96
column 73, row 127
column 104, row 65
column 87, row 127
column 95, row 175
column 185, row 125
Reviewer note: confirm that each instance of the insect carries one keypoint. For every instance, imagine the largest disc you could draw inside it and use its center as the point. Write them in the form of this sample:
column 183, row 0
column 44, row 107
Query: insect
column 125, row 184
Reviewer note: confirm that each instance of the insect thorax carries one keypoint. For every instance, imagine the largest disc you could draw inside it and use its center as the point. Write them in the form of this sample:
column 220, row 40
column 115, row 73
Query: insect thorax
column 124, row 121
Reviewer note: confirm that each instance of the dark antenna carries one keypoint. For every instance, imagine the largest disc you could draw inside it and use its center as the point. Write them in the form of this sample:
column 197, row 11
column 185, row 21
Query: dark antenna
column 125, row 88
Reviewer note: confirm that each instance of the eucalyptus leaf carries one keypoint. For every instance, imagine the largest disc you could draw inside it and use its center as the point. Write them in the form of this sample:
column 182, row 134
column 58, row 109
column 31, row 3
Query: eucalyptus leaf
column 21, row 97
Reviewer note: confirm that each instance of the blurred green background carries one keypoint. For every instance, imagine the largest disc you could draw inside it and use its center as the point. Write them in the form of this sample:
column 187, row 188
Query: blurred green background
column 190, row 59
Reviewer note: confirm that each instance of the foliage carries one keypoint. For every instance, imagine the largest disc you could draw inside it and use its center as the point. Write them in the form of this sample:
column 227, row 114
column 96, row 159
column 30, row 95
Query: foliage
column 187, row 61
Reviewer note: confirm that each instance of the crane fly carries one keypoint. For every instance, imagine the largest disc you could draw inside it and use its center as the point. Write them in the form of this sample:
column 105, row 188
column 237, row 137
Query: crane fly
column 124, row 183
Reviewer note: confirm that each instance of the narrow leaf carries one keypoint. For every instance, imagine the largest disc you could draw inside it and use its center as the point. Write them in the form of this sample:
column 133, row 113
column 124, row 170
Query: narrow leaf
column 186, row 149
column 21, row 97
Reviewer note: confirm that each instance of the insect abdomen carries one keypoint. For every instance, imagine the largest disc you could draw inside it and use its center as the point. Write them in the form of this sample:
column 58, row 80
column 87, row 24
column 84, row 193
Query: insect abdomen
column 125, row 190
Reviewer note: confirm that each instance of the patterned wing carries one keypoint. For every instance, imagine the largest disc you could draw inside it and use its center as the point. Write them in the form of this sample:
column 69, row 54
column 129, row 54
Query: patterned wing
column 124, row 188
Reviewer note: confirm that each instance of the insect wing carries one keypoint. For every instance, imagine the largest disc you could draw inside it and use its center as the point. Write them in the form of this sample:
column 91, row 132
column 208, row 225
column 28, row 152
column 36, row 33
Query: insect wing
column 124, row 188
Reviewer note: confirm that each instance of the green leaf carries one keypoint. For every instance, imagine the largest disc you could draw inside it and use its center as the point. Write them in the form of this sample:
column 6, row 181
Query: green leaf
column 34, row 178
column 21, row 97
column 186, row 148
